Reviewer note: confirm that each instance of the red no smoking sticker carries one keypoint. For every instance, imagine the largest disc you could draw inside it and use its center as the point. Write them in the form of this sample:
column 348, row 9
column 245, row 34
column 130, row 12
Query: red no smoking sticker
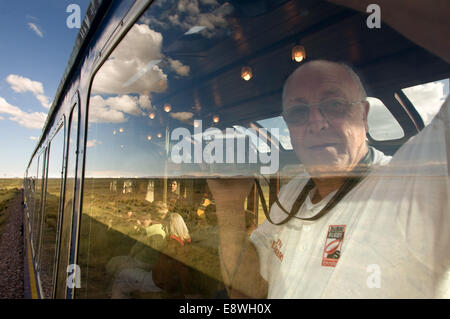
column 333, row 245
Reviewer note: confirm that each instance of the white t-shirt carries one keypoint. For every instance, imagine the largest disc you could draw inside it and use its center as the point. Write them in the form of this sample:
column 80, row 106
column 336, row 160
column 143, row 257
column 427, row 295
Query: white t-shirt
column 388, row 238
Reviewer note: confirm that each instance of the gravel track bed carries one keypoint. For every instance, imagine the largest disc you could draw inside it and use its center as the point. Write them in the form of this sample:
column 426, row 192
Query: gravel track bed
column 11, row 251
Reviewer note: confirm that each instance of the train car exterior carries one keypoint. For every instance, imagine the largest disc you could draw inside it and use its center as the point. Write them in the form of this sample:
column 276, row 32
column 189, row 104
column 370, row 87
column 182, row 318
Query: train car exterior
column 158, row 96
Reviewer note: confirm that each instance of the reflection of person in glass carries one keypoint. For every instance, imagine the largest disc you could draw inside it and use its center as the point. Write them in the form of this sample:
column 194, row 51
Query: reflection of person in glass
column 362, row 225
column 171, row 272
column 172, row 196
column 134, row 272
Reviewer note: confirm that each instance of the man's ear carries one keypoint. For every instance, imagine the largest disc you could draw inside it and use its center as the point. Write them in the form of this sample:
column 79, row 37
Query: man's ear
column 365, row 112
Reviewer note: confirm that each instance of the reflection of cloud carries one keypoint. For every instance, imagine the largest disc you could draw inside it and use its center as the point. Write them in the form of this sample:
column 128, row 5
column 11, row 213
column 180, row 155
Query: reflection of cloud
column 182, row 116
column 427, row 99
column 22, row 84
column 35, row 28
column 33, row 120
column 187, row 15
column 382, row 124
column 101, row 113
column 124, row 103
column 145, row 103
column 92, row 143
column 133, row 59
column 179, row 68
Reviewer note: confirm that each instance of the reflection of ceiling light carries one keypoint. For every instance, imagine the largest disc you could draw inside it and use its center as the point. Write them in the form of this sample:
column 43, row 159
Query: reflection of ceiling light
column 114, row 132
column 298, row 53
column 149, row 137
column 159, row 135
column 167, row 108
column 196, row 123
column 151, row 116
column 216, row 119
column 121, row 130
column 246, row 73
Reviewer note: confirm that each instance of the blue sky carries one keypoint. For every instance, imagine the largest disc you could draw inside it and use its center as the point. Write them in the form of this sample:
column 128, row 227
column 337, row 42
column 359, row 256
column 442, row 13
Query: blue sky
column 35, row 48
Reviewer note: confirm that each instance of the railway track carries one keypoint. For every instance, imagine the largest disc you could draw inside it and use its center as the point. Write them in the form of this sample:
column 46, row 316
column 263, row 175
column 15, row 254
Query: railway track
column 11, row 251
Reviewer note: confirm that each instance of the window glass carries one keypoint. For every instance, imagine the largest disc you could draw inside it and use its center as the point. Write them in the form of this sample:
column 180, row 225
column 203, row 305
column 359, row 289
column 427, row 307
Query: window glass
column 50, row 222
column 283, row 136
column 163, row 115
column 32, row 174
column 35, row 231
column 382, row 124
column 67, row 213
column 427, row 98
column 191, row 92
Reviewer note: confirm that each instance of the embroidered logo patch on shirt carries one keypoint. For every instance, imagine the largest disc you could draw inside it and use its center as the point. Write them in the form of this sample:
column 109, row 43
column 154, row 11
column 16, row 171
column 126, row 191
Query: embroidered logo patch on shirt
column 333, row 245
column 276, row 246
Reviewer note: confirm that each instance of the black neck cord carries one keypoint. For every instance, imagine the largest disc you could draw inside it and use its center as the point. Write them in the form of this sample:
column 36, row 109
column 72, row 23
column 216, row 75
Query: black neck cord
column 350, row 182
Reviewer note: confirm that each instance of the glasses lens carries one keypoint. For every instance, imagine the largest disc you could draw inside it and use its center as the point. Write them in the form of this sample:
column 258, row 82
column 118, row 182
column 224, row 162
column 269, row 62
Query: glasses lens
column 298, row 114
column 334, row 108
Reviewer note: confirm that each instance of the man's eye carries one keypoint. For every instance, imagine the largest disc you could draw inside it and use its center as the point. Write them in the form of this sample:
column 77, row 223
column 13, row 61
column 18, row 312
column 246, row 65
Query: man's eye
column 299, row 112
column 334, row 104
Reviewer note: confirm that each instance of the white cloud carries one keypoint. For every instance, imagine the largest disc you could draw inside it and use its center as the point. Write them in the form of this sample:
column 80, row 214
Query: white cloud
column 124, row 103
column 99, row 112
column 144, row 101
column 22, row 84
column 189, row 18
column 35, row 120
column 427, row 98
column 182, row 116
column 113, row 109
column 44, row 101
column 35, row 28
column 132, row 66
column 33, row 138
column 1, row 118
column 92, row 143
column 179, row 68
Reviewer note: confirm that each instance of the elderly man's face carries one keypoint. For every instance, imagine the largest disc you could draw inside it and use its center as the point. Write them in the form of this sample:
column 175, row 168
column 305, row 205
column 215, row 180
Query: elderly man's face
column 327, row 143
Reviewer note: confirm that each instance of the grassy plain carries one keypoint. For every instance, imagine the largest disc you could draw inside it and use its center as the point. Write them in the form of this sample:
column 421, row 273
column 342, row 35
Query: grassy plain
column 8, row 189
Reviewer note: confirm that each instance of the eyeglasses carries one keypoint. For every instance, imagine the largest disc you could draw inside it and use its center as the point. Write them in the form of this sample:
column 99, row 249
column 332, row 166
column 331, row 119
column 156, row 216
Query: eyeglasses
column 330, row 109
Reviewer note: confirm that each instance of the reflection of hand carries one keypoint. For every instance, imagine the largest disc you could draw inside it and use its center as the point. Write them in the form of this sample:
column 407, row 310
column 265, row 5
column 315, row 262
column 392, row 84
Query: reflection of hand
column 230, row 191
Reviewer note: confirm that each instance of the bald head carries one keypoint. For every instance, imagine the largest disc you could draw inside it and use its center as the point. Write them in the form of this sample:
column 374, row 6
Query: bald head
column 341, row 71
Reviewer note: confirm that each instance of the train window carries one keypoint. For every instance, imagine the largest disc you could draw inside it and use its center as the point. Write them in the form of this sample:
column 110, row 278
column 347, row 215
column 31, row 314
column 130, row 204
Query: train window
column 35, row 228
column 50, row 222
column 428, row 97
column 382, row 124
column 193, row 92
column 32, row 174
column 67, row 209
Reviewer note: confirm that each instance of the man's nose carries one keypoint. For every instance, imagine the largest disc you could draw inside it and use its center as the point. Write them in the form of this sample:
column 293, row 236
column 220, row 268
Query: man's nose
column 316, row 122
